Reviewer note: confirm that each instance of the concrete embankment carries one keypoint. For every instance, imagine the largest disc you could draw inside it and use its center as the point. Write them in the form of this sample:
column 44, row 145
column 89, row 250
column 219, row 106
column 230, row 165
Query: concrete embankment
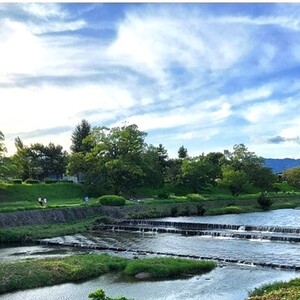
column 71, row 214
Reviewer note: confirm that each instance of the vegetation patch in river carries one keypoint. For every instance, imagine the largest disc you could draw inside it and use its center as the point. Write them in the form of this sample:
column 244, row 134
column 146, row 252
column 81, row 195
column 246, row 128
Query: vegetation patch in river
column 33, row 273
column 167, row 267
column 45, row 272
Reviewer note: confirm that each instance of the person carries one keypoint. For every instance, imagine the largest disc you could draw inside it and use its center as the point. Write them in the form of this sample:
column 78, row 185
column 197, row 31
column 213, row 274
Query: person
column 41, row 201
column 85, row 199
column 44, row 201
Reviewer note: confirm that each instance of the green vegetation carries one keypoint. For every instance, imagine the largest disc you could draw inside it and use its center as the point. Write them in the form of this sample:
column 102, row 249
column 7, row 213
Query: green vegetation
column 168, row 267
column 264, row 201
column 195, row 197
column 31, row 192
column 100, row 295
column 277, row 291
column 232, row 209
column 112, row 200
column 37, row 273
column 24, row 234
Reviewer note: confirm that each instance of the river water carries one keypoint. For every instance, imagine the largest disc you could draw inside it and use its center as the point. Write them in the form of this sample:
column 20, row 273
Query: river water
column 226, row 282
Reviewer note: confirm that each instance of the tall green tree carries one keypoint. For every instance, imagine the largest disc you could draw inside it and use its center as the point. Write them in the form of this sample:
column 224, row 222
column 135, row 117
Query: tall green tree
column 79, row 134
column 116, row 157
column 292, row 176
column 182, row 152
column 198, row 173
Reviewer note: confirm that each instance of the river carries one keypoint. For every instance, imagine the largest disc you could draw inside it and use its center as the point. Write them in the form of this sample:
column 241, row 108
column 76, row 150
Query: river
column 227, row 282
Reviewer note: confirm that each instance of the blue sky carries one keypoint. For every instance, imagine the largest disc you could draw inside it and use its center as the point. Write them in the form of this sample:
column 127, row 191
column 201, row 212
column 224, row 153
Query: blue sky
column 206, row 76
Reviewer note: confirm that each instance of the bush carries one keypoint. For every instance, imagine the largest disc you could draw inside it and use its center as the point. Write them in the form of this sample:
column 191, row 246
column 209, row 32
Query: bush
column 264, row 202
column 200, row 210
column 100, row 295
column 17, row 181
column 32, row 181
column 163, row 195
column 112, row 200
column 174, row 211
column 194, row 197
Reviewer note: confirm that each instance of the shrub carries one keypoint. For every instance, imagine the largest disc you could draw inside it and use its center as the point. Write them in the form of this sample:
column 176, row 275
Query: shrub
column 163, row 195
column 194, row 197
column 100, row 295
column 112, row 200
column 174, row 211
column 32, row 181
column 264, row 202
column 17, row 181
column 200, row 210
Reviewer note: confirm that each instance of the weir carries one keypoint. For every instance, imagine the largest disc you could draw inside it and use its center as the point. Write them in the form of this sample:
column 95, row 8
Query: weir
column 271, row 233
column 137, row 252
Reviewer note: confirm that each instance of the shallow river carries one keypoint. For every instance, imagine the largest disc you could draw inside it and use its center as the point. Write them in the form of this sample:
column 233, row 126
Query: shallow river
column 226, row 282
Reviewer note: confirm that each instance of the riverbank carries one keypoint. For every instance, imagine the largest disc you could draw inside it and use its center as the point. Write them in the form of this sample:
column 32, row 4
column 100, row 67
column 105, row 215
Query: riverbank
column 277, row 291
column 44, row 216
column 52, row 271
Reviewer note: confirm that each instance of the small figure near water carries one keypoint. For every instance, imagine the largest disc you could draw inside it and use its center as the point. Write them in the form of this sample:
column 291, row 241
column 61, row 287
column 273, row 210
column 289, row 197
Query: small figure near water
column 85, row 199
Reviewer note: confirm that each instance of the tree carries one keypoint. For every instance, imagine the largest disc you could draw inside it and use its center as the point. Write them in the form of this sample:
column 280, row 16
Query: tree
column 2, row 146
column 39, row 162
column 182, row 152
column 116, row 157
column 154, row 176
column 250, row 165
column 197, row 173
column 292, row 176
column 235, row 180
column 78, row 136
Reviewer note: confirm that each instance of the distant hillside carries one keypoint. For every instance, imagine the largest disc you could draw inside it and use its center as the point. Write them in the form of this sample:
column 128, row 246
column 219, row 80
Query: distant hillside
column 279, row 165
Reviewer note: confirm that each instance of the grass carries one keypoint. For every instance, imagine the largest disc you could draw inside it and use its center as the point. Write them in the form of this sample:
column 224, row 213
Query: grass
column 277, row 291
column 28, row 234
column 31, row 192
column 233, row 209
column 35, row 273
column 50, row 271
column 168, row 267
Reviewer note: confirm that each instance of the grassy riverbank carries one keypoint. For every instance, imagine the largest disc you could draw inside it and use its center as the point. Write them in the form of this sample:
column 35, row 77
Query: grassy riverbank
column 45, row 272
column 277, row 291
column 27, row 234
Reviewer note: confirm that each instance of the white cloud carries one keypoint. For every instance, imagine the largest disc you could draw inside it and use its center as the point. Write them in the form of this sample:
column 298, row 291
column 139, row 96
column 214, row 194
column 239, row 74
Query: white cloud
column 263, row 112
column 154, row 43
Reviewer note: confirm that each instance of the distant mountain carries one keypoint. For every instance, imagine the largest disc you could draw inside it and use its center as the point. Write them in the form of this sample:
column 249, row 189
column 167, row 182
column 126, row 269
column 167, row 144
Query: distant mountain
column 278, row 165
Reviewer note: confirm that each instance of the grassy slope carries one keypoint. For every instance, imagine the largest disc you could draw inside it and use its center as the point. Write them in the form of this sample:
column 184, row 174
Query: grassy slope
column 31, row 192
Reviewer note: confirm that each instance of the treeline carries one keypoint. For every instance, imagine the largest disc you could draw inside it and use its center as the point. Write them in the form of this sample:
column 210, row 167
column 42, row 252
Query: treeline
column 117, row 160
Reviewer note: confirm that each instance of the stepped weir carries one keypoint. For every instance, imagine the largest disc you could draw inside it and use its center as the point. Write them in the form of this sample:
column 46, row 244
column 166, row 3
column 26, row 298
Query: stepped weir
column 213, row 232
column 271, row 233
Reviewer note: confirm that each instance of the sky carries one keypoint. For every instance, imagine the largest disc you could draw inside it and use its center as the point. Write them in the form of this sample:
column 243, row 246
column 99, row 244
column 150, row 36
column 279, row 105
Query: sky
column 206, row 76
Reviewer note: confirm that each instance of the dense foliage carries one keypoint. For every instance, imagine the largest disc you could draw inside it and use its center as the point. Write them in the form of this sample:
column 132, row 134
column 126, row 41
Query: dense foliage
column 118, row 161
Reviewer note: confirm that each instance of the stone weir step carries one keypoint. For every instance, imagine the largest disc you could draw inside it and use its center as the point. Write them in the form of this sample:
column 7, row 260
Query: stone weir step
column 138, row 252
column 209, row 233
column 209, row 226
